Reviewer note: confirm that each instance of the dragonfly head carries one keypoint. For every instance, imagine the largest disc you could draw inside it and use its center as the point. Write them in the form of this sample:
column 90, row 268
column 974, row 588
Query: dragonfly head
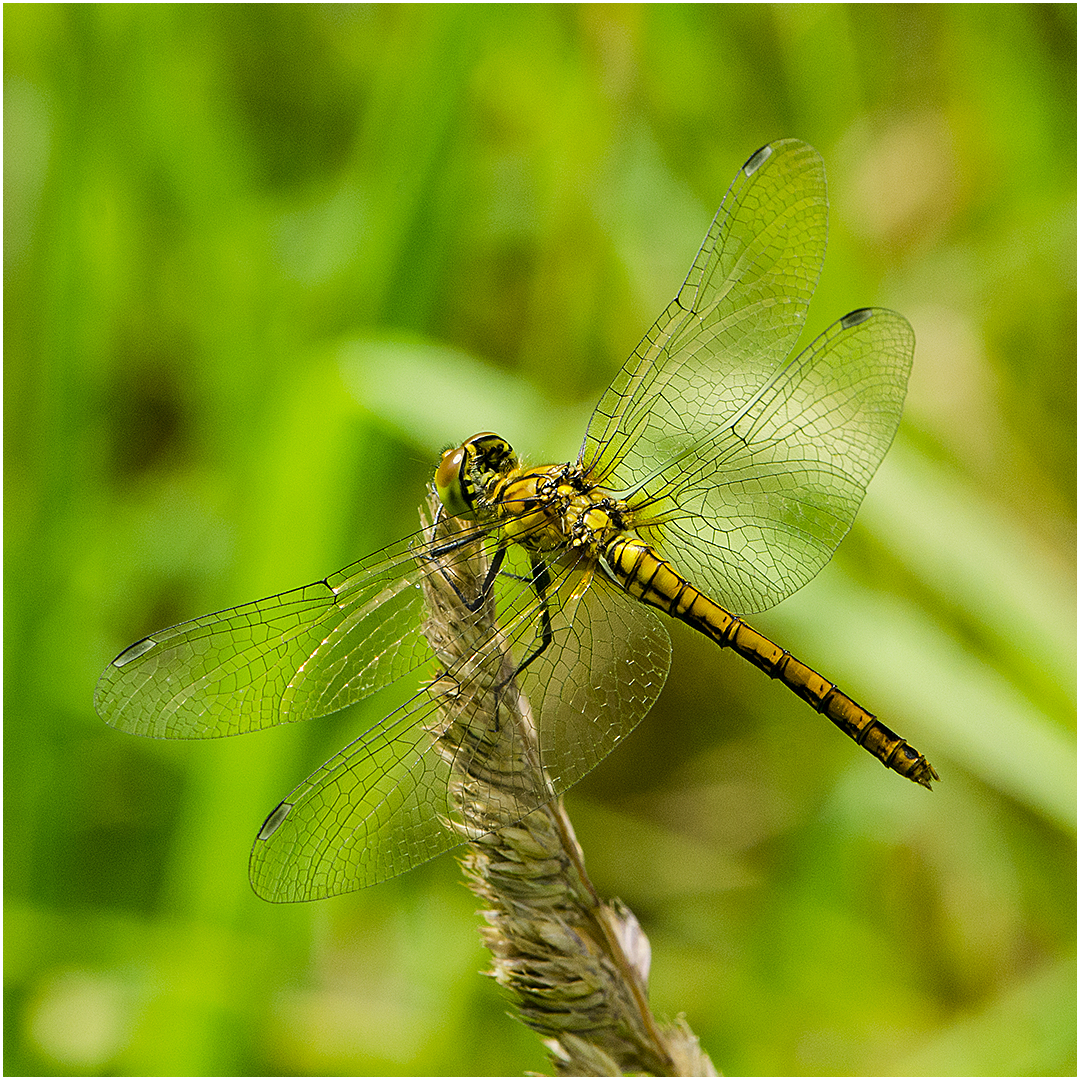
column 466, row 475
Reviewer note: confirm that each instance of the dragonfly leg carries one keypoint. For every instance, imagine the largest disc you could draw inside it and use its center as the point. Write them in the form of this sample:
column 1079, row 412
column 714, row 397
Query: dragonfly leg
column 541, row 582
column 473, row 605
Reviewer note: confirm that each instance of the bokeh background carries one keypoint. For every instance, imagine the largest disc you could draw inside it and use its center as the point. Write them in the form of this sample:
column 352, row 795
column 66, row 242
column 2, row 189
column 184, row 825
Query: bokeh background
column 262, row 263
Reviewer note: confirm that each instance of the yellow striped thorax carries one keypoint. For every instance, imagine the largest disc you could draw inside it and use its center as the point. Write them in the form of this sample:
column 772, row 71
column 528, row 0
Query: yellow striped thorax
column 541, row 509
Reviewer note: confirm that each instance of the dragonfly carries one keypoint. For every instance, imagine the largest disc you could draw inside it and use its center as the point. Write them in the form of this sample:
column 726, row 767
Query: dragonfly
column 717, row 475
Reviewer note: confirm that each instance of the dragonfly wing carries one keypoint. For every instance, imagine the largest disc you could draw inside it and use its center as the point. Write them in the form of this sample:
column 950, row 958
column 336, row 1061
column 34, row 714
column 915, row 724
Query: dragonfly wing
column 374, row 810
column 606, row 665
column 755, row 509
column 295, row 656
column 735, row 320
column 386, row 803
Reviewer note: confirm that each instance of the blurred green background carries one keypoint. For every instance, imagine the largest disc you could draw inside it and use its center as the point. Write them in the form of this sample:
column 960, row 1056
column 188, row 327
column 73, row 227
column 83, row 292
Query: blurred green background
column 262, row 263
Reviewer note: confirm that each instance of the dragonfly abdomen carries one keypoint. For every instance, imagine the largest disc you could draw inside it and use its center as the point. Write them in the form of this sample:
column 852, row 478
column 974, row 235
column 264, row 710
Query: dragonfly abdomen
column 651, row 579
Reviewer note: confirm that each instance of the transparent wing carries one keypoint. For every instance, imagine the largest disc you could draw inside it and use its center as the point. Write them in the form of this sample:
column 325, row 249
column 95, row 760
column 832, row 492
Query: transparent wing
column 607, row 664
column 384, row 804
column 376, row 809
column 735, row 320
column 755, row 508
column 295, row 656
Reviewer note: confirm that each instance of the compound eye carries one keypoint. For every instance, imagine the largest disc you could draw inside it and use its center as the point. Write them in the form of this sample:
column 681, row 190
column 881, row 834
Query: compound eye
column 494, row 455
column 491, row 445
column 451, row 483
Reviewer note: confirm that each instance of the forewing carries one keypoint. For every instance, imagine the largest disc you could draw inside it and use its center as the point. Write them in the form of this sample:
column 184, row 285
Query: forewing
column 295, row 656
column 735, row 320
column 753, row 511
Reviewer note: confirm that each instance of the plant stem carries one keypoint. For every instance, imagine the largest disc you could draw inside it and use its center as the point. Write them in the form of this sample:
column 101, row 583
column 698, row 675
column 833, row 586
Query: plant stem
column 577, row 966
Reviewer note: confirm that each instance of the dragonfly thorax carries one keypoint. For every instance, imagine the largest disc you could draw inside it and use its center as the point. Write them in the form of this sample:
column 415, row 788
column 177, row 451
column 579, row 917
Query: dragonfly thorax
column 542, row 509
column 553, row 507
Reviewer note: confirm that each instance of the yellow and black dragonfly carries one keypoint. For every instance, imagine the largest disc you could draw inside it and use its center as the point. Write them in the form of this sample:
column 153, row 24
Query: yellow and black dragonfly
column 717, row 475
